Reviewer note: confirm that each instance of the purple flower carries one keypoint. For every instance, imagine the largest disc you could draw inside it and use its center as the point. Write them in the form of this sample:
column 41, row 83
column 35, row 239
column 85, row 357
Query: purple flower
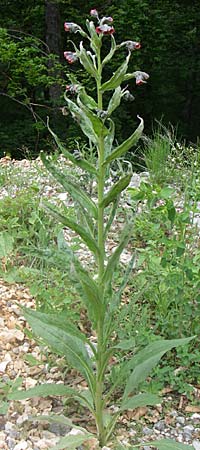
column 71, row 27
column 141, row 77
column 105, row 29
column 70, row 57
column 132, row 45
column 94, row 13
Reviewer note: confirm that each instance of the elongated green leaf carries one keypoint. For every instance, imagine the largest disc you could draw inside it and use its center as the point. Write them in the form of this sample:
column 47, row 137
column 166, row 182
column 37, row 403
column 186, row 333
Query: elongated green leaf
column 111, row 216
column 62, row 343
column 111, row 52
column 114, row 259
column 87, row 100
column 75, row 191
column 117, row 297
column 43, row 390
column 139, row 400
column 96, row 40
column 98, row 126
column 115, row 100
column 108, row 140
column 117, row 77
column 82, row 119
column 126, row 145
column 54, row 418
column 83, row 164
column 6, row 244
column 144, row 361
column 170, row 444
column 86, row 61
column 72, row 441
column 67, row 222
column 116, row 190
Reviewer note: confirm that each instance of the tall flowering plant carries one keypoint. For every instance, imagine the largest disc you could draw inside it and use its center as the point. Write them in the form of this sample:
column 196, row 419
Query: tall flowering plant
column 96, row 284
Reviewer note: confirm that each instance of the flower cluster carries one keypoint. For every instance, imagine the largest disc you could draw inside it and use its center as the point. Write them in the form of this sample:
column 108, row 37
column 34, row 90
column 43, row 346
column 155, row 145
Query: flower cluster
column 132, row 45
column 105, row 29
column 70, row 57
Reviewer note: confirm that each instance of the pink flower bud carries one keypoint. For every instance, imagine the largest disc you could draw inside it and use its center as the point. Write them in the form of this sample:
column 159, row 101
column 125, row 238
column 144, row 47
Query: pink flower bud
column 105, row 29
column 71, row 88
column 140, row 77
column 70, row 57
column 132, row 45
column 94, row 13
column 71, row 27
column 106, row 19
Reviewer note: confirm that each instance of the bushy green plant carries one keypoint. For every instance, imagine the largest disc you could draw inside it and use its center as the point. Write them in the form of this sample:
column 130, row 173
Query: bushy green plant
column 95, row 284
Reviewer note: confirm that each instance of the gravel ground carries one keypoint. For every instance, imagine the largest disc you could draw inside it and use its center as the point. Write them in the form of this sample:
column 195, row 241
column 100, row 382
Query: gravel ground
column 17, row 432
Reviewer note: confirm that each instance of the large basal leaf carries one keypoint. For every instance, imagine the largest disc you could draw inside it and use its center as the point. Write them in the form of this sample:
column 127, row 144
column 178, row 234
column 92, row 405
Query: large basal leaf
column 140, row 400
column 62, row 343
column 72, row 441
column 115, row 100
column 82, row 119
column 116, row 190
column 126, row 145
column 67, row 222
column 170, row 444
column 6, row 244
column 144, row 361
column 43, row 390
column 83, row 164
column 117, row 77
column 73, row 189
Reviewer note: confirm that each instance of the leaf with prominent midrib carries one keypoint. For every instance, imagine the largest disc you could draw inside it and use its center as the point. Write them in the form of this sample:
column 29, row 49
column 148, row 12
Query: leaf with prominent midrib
column 116, row 190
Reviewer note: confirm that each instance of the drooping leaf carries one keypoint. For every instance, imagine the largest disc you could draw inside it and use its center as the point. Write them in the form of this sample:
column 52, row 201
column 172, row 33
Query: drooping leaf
column 115, row 100
column 111, row 52
column 140, row 400
column 73, row 189
column 82, row 119
column 116, row 190
column 62, row 343
column 67, row 222
column 126, row 145
column 117, row 77
column 144, row 361
column 170, row 444
column 86, row 99
column 43, row 390
column 83, row 164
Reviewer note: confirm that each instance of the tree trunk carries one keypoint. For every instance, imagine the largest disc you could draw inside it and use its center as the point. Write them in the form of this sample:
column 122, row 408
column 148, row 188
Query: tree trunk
column 53, row 40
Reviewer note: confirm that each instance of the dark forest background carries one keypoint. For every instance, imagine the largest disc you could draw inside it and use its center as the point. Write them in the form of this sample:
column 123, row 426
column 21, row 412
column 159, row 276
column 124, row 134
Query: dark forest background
column 33, row 73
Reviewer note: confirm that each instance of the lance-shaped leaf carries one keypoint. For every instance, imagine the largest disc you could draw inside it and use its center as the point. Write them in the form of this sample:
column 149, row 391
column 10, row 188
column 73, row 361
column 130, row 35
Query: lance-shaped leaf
column 111, row 216
column 169, row 444
column 116, row 190
column 67, row 222
column 114, row 259
column 126, row 145
column 115, row 100
column 117, row 296
column 86, row 99
column 86, row 61
column 43, row 390
column 62, row 343
column 96, row 40
column 83, row 164
column 140, row 400
column 98, row 126
column 82, row 119
column 109, row 56
column 117, row 77
column 143, row 362
column 108, row 140
column 75, row 191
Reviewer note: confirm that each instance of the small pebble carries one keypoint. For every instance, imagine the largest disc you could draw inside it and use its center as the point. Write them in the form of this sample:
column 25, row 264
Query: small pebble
column 180, row 420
